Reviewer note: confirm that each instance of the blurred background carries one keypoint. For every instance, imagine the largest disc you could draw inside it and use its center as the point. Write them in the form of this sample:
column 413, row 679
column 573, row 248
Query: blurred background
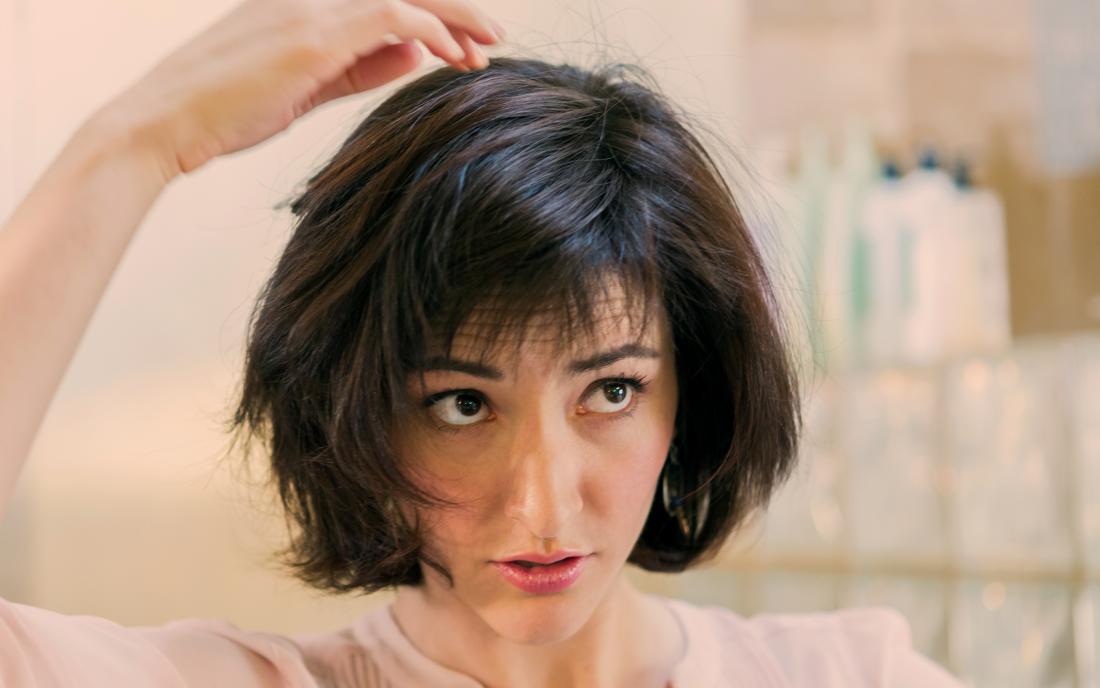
column 925, row 178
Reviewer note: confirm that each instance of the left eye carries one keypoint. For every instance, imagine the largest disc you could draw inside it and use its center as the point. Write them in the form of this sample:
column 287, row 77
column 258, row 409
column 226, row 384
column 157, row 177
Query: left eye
column 612, row 396
column 459, row 408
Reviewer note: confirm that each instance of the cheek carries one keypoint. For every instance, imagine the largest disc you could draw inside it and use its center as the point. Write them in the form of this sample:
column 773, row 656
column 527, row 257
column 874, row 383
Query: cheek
column 452, row 465
column 457, row 537
column 451, row 530
column 445, row 529
column 626, row 483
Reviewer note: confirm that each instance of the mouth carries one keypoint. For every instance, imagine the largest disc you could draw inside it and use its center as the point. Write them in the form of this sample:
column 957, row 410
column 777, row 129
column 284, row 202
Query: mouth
column 539, row 578
column 538, row 558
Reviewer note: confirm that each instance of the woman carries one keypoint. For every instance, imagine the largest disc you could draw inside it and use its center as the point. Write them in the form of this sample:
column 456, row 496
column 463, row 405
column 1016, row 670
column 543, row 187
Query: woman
column 519, row 338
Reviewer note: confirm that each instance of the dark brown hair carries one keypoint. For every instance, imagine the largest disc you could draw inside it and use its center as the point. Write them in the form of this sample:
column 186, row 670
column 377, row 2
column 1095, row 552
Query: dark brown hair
column 510, row 191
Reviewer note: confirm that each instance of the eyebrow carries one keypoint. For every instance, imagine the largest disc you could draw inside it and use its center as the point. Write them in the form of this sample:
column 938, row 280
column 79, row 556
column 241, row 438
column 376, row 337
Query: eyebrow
column 599, row 360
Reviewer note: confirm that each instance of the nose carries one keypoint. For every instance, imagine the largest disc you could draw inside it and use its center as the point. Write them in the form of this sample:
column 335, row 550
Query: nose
column 546, row 479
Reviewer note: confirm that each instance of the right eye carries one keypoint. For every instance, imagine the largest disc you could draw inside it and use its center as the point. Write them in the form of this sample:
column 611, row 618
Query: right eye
column 458, row 408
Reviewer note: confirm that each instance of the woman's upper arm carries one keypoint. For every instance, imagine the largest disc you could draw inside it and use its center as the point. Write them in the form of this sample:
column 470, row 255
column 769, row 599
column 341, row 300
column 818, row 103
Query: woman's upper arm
column 46, row 649
column 207, row 659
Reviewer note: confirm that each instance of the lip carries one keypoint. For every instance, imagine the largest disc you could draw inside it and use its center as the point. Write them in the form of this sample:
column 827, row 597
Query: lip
column 543, row 580
column 544, row 558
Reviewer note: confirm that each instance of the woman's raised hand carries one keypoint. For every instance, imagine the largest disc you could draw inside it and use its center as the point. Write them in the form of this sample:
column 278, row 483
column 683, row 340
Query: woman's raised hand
column 242, row 80
column 268, row 62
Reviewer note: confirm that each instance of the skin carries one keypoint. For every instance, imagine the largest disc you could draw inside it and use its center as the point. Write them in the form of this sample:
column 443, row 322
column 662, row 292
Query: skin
column 548, row 461
column 245, row 78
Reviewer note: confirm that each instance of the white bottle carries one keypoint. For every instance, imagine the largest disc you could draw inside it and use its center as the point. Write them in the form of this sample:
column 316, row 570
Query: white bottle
column 882, row 217
column 843, row 259
column 983, row 325
column 928, row 234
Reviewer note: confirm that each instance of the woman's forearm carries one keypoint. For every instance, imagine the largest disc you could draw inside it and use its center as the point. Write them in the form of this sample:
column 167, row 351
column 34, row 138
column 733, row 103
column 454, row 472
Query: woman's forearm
column 244, row 79
column 58, row 251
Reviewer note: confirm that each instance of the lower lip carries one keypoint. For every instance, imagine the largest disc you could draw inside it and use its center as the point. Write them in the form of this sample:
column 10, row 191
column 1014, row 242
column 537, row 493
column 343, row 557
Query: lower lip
column 541, row 580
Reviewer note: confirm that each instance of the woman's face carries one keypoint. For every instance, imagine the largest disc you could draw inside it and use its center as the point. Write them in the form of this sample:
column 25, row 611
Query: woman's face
column 546, row 455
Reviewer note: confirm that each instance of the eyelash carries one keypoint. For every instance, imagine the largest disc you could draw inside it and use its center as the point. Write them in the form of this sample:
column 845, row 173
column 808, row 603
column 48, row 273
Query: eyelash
column 638, row 384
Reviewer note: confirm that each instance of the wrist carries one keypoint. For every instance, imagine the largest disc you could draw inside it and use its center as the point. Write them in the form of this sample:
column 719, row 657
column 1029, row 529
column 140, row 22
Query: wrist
column 114, row 131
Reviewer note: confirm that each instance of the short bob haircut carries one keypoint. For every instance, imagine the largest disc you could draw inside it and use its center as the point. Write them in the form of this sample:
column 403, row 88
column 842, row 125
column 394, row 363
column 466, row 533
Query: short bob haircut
column 506, row 193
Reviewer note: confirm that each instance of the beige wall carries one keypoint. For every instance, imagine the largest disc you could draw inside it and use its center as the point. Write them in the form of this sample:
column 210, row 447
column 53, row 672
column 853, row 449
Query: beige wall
column 122, row 511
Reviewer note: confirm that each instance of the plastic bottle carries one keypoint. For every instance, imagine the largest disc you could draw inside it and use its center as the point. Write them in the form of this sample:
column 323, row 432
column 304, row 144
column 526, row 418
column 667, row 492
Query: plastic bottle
column 882, row 217
column 844, row 269
column 983, row 319
column 927, row 238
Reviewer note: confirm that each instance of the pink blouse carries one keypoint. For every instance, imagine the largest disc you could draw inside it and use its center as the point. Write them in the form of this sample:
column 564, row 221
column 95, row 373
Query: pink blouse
column 861, row 646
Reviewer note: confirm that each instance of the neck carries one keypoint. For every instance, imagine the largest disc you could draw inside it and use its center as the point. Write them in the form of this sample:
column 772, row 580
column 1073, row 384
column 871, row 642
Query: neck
column 629, row 639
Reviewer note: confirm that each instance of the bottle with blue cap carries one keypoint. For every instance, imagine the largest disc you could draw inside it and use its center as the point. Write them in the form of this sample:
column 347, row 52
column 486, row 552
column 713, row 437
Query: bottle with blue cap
column 982, row 322
column 927, row 261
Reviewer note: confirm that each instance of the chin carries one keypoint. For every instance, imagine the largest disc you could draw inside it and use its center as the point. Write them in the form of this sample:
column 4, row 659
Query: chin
column 538, row 620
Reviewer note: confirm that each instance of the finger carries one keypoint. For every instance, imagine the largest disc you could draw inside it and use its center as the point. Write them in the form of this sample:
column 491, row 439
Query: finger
column 475, row 56
column 370, row 71
column 367, row 28
column 466, row 16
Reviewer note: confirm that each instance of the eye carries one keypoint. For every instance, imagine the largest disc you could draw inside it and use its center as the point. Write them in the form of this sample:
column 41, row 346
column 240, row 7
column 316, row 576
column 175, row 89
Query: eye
column 614, row 395
column 458, row 408
column 611, row 396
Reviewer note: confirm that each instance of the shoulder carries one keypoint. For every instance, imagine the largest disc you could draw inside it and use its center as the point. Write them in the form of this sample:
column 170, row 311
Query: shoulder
column 855, row 646
column 43, row 647
column 204, row 648
column 851, row 646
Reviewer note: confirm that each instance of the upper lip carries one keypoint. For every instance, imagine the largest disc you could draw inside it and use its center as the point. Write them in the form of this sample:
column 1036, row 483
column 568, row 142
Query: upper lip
column 544, row 558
